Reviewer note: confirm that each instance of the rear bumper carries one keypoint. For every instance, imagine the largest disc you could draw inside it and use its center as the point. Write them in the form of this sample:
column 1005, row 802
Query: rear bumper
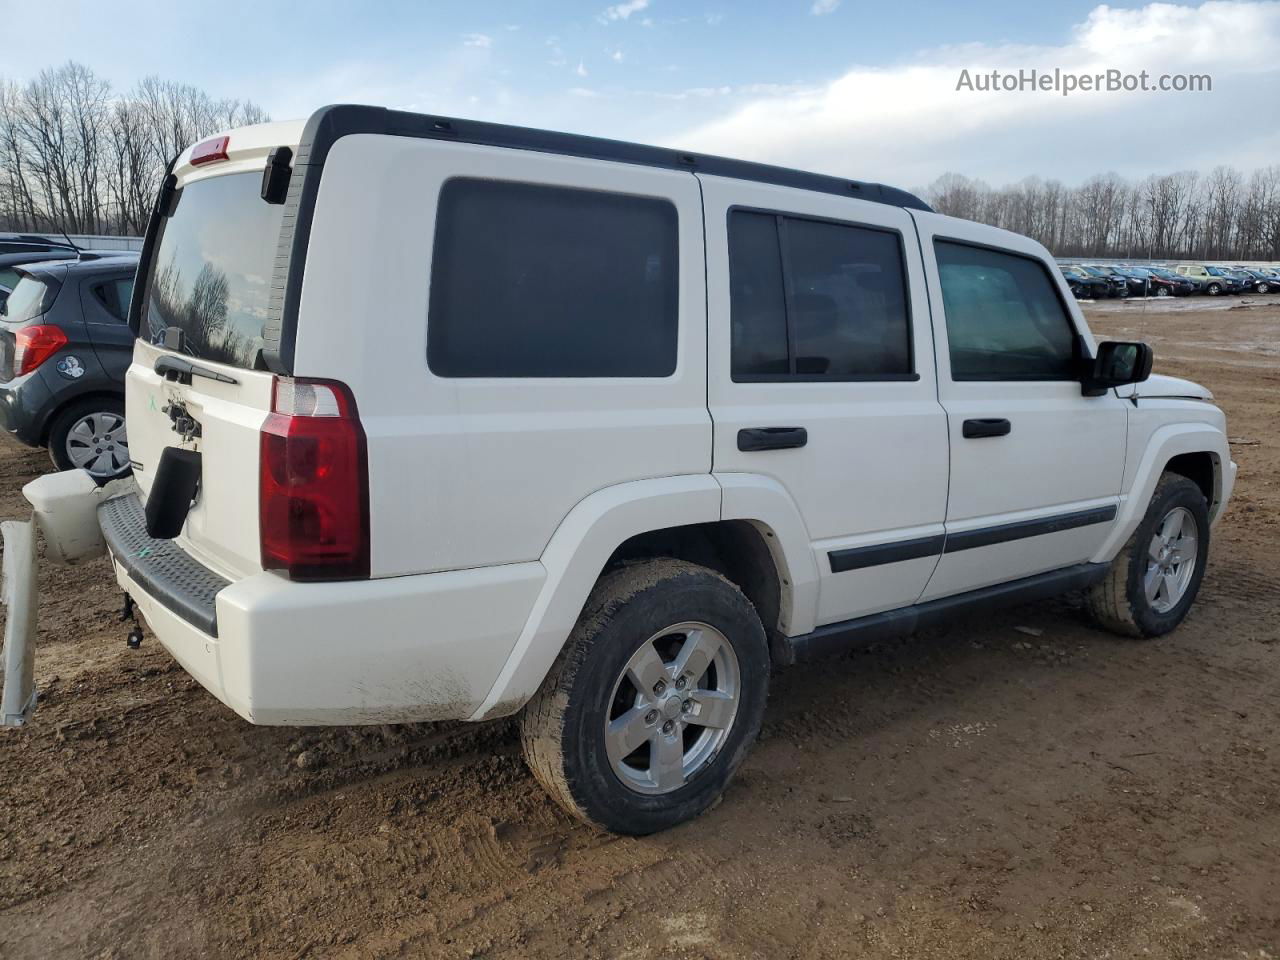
column 390, row 650
column 24, row 408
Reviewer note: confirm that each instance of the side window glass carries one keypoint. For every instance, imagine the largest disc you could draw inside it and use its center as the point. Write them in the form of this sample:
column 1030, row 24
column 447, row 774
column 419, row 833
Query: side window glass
column 848, row 300
column 529, row 280
column 124, row 294
column 1005, row 320
column 758, row 312
column 812, row 299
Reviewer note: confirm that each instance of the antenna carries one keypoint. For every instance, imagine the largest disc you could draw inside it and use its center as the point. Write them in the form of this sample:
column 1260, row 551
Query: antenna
column 71, row 244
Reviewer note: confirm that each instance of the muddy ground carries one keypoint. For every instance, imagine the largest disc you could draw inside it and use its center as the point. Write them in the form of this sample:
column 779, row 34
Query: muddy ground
column 989, row 791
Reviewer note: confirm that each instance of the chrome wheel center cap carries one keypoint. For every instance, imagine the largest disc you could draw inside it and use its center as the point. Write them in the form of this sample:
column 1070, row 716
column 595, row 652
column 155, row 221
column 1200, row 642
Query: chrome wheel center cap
column 671, row 707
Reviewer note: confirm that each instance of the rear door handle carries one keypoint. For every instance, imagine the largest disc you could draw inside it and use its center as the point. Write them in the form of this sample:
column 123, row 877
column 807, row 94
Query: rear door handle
column 771, row 438
column 985, row 427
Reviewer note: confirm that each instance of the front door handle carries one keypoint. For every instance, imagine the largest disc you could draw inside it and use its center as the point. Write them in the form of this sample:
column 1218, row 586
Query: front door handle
column 771, row 438
column 985, row 427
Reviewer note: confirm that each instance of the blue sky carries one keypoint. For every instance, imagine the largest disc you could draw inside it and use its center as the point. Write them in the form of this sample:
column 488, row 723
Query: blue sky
column 867, row 90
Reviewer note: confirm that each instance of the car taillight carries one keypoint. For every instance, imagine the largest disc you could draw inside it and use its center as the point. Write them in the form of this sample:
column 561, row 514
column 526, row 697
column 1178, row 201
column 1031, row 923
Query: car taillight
column 32, row 346
column 313, row 486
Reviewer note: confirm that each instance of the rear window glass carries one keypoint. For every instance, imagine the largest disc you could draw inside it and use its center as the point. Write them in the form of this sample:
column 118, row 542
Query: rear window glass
column 29, row 299
column 211, row 271
column 539, row 281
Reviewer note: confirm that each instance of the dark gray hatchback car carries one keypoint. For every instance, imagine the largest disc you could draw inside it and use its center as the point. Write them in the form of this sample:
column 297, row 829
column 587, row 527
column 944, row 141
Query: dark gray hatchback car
column 64, row 350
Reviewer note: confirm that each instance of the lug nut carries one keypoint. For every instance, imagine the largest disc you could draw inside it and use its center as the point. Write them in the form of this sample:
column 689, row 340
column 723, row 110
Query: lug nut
column 651, row 716
column 668, row 726
column 680, row 683
column 687, row 706
column 660, row 688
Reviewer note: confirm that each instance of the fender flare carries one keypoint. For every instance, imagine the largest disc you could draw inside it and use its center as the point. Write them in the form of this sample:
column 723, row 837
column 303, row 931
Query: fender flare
column 764, row 502
column 573, row 559
column 600, row 523
column 1164, row 444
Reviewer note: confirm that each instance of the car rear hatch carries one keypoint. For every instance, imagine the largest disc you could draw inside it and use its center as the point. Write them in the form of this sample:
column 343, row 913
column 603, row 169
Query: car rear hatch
column 198, row 381
column 31, row 299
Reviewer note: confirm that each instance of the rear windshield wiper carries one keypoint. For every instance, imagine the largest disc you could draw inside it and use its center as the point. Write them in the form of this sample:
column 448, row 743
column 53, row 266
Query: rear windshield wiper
column 182, row 370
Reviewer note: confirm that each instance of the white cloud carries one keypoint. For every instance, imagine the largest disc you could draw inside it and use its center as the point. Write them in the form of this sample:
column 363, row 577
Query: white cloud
column 907, row 123
column 483, row 41
column 823, row 7
column 622, row 11
column 581, row 69
column 616, row 56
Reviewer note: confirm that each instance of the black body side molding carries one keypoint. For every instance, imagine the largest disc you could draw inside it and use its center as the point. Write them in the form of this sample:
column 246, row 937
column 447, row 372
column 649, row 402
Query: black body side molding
column 839, row 637
column 856, row 558
column 970, row 539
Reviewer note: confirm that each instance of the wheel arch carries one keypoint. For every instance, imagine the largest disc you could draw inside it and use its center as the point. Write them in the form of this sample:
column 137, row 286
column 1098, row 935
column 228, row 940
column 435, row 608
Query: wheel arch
column 55, row 411
column 699, row 518
column 1197, row 450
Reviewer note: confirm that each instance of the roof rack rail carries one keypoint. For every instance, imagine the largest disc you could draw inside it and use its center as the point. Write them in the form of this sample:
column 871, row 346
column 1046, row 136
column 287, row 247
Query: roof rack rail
column 328, row 124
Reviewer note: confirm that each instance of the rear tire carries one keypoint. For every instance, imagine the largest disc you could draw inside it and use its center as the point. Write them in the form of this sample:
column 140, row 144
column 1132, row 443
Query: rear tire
column 90, row 434
column 1149, row 587
column 654, row 701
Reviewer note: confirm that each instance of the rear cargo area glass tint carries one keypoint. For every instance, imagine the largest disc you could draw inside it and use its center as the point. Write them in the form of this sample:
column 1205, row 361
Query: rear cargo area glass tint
column 211, row 272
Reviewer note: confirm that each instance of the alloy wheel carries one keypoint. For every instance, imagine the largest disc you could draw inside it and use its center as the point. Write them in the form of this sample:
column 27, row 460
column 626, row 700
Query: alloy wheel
column 1171, row 560
column 672, row 707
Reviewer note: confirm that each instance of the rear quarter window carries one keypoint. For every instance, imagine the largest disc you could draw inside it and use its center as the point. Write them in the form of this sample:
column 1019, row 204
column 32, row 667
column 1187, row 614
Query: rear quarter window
column 530, row 280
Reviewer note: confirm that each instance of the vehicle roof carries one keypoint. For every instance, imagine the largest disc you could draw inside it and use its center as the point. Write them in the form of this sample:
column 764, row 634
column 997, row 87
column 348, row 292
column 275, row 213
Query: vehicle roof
column 329, row 124
column 60, row 269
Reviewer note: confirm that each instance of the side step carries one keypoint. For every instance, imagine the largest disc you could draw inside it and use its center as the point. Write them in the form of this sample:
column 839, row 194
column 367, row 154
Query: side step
column 847, row 634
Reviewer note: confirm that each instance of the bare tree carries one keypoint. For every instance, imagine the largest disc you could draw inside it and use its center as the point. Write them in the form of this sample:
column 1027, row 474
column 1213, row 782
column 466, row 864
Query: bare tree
column 76, row 157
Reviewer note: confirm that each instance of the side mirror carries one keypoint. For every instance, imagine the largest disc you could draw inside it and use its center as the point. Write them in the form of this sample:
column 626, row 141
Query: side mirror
column 1118, row 363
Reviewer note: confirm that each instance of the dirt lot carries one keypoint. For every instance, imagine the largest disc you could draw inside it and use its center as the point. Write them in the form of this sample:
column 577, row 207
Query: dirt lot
column 984, row 792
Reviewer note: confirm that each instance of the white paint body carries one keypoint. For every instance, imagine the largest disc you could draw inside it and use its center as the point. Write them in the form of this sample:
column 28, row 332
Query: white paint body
column 495, row 503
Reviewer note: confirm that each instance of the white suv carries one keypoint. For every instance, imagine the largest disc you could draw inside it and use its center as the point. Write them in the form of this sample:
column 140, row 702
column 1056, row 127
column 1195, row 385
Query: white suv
column 434, row 419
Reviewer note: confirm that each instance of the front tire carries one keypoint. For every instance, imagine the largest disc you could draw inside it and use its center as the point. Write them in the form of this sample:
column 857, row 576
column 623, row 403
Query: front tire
column 655, row 700
column 1154, row 581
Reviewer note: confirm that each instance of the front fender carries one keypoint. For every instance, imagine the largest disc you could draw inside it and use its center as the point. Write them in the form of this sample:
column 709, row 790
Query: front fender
column 573, row 559
column 1163, row 445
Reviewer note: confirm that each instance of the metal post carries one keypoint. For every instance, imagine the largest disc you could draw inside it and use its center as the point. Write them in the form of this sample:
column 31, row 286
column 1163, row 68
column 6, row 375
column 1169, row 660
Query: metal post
column 18, row 591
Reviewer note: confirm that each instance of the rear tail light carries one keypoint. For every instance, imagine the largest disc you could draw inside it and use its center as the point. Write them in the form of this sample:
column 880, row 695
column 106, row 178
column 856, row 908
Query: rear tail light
column 32, row 346
column 313, row 496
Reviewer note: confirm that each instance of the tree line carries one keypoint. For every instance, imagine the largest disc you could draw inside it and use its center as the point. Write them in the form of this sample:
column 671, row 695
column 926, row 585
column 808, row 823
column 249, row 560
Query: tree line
column 77, row 156
column 1222, row 215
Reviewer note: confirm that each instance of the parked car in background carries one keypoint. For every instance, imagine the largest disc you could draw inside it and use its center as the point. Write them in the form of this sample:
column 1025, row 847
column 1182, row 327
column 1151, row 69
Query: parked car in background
column 1117, row 286
column 32, row 243
column 1260, row 280
column 1138, row 282
column 1083, row 284
column 1167, row 283
column 1213, row 280
column 64, row 349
